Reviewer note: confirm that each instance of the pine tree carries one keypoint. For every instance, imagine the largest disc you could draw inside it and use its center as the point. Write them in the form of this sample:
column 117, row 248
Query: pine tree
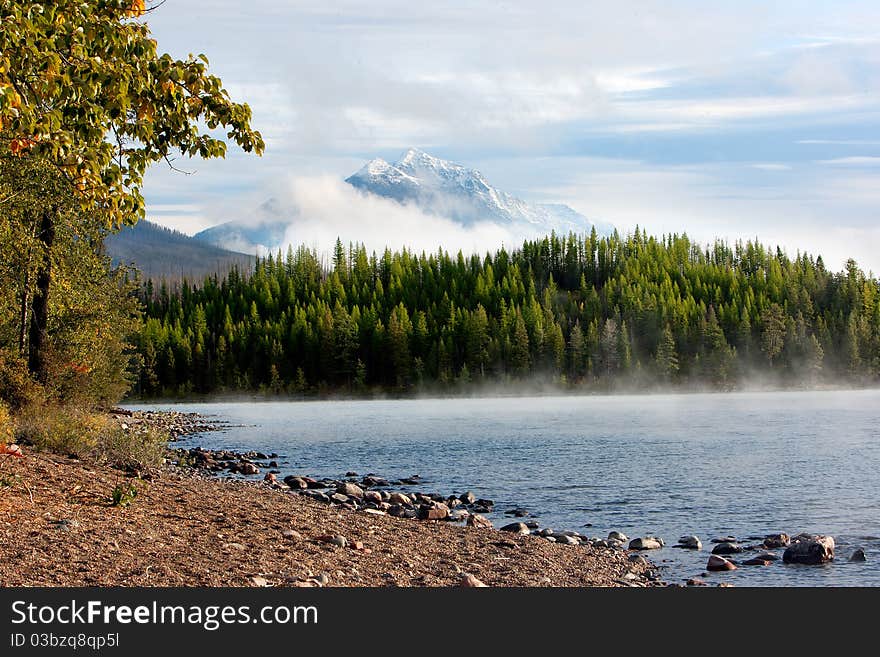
column 667, row 356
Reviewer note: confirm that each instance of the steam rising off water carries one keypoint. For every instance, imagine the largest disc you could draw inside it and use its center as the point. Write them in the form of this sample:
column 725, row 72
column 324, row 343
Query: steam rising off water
column 744, row 464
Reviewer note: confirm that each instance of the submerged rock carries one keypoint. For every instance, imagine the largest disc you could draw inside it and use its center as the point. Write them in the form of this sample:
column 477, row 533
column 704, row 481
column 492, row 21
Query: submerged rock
column 718, row 564
column 810, row 549
column 757, row 561
column 858, row 555
column 690, row 543
column 772, row 541
column 646, row 543
column 724, row 539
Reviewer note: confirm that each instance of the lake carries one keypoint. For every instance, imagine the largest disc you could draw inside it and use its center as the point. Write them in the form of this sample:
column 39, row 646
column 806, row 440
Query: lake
column 742, row 464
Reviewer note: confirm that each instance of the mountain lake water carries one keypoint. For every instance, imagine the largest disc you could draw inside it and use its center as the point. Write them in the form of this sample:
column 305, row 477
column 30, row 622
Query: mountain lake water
column 741, row 464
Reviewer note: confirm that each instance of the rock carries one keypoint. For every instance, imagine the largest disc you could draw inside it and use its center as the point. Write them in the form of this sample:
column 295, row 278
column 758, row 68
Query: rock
column 773, row 541
column 375, row 512
column 467, row 498
column 235, row 546
column 566, row 540
column 371, row 481
column 858, row 555
column 373, row 496
column 256, row 580
column 809, row 549
column 617, row 536
column 440, row 512
column 65, row 524
column 757, row 561
column 724, row 539
column 481, row 522
column 517, row 513
column 339, row 498
column 270, row 478
column 690, row 543
column 645, row 543
column 458, row 515
column 248, row 469
column 333, row 539
column 601, row 543
column 468, row 581
column 516, row 528
column 727, row 548
column 291, row 535
column 351, row 490
column 486, row 503
column 297, row 483
column 717, row 564
column 351, row 473
column 399, row 498
column 696, row 581
column 638, row 560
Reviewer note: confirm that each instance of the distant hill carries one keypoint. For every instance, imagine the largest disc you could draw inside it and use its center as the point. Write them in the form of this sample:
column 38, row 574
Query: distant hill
column 160, row 252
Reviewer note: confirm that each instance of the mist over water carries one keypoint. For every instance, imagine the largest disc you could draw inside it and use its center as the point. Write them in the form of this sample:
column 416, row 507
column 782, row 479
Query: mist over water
column 744, row 464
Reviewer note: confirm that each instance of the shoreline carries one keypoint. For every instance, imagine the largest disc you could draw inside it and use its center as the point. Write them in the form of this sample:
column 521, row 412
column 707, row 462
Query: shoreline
column 260, row 398
column 59, row 527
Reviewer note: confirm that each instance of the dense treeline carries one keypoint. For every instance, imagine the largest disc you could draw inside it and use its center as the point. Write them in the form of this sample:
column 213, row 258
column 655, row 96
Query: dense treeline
column 589, row 311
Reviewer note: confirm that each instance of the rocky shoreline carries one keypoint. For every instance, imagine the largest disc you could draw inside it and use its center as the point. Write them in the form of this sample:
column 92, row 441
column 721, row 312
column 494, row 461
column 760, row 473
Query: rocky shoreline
column 61, row 524
column 374, row 495
column 176, row 424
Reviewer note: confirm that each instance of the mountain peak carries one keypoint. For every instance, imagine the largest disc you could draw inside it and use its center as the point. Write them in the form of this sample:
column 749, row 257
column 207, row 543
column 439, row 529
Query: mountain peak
column 442, row 187
column 417, row 156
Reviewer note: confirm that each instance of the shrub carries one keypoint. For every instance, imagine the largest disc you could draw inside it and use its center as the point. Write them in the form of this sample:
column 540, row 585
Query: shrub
column 123, row 495
column 17, row 388
column 7, row 432
column 84, row 434
column 61, row 429
column 131, row 450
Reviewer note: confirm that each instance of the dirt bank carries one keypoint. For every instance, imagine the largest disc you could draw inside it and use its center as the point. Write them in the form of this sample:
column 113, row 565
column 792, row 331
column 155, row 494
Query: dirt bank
column 58, row 527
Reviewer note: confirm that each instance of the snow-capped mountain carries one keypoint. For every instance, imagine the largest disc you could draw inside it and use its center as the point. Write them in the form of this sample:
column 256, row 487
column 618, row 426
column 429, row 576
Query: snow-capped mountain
column 417, row 180
column 444, row 188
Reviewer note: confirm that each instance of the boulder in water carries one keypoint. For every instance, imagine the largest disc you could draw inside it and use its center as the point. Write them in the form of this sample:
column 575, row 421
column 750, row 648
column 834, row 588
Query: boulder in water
column 810, row 549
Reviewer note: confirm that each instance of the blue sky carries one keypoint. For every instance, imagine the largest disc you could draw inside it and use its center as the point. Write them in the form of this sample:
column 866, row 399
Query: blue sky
column 731, row 119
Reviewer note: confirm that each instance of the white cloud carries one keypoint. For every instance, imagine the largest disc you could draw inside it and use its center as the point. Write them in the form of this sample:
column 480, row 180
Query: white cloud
column 325, row 208
column 854, row 161
column 770, row 166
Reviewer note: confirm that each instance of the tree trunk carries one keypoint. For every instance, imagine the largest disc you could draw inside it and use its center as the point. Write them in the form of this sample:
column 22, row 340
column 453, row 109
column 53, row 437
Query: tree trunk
column 39, row 330
column 23, row 314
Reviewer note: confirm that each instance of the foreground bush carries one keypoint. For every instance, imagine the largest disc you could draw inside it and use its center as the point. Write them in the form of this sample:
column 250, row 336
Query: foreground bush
column 88, row 435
